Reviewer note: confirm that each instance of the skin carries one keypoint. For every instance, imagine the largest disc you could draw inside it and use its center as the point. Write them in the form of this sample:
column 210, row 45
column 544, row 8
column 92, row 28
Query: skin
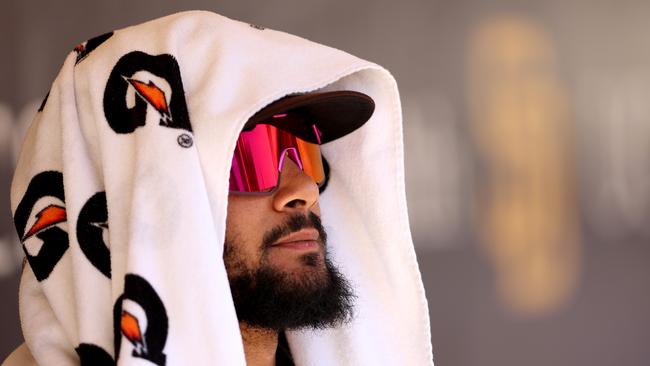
column 248, row 219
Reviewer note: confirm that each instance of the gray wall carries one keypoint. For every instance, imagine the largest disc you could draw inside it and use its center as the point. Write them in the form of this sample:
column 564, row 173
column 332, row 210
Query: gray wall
column 527, row 128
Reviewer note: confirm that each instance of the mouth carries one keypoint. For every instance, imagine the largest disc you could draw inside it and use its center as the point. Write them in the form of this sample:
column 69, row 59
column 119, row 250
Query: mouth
column 305, row 239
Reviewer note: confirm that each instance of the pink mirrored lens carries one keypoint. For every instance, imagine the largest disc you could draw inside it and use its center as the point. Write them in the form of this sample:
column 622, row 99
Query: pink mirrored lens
column 255, row 161
column 258, row 153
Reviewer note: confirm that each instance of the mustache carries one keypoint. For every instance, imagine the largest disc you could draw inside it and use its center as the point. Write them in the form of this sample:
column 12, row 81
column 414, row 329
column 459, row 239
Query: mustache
column 292, row 224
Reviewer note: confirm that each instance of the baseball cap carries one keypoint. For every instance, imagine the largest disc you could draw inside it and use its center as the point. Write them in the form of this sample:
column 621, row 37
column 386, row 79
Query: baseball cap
column 335, row 113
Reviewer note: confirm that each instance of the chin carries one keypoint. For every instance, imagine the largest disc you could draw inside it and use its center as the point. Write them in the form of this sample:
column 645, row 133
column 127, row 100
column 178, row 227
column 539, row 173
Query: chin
column 310, row 269
column 315, row 260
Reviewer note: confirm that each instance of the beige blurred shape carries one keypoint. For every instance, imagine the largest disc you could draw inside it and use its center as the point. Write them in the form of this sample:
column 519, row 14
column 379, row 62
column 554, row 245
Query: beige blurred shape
column 11, row 253
column 6, row 130
column 436, row 170
column 527, row 203
column 23, row 122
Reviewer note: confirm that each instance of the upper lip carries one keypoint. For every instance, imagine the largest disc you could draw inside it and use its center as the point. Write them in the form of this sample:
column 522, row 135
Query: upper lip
column 301, row 235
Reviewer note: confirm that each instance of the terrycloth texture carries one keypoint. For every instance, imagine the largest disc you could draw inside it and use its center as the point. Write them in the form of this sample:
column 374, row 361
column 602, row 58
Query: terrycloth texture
column 121, row 191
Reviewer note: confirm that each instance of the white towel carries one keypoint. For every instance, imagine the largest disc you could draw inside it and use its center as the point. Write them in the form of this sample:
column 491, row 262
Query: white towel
column 120, row 202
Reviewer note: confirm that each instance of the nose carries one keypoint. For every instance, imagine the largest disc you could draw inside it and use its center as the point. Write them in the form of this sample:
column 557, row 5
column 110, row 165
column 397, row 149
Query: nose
column 296, row 191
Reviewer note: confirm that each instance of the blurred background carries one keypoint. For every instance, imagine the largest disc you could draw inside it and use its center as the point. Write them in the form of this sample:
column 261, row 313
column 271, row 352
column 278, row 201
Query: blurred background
column 527, row 138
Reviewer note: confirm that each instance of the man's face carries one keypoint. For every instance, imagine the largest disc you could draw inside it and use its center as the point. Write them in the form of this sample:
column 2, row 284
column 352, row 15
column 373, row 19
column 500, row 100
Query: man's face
column 276, row 258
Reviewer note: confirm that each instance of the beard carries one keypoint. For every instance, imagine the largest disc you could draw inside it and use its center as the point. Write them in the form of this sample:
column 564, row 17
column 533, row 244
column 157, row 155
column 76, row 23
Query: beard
column 317, row 296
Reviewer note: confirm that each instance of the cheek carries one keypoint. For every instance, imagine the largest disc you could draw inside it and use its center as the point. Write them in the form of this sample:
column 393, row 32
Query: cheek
column 245, row 226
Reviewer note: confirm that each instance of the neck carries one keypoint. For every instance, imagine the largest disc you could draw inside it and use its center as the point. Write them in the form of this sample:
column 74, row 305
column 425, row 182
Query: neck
column 259, row 345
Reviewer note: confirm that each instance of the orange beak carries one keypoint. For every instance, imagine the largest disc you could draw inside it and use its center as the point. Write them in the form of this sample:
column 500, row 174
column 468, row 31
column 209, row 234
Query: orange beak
column 131, row 328
column 152, row 94
column 49, row 216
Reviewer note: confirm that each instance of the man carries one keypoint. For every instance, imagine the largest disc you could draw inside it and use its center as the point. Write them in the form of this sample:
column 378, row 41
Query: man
column 174, row 208
column 280, row 275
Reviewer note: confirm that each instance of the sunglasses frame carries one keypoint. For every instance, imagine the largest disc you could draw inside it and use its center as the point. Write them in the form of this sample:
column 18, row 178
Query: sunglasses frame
column 283, row 154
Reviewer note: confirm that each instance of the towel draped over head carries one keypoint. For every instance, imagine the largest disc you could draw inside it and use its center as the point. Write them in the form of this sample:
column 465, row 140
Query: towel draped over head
column 121, row 191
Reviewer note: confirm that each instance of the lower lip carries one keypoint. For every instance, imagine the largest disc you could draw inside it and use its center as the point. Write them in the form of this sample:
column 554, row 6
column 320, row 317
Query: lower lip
column 299, row 245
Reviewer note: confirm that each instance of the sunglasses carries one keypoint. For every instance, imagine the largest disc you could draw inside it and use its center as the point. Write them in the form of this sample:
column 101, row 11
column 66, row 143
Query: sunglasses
column 260, row 152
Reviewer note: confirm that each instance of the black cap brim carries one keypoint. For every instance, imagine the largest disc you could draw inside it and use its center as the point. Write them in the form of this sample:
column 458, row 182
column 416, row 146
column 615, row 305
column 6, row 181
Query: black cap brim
column 335, row 113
